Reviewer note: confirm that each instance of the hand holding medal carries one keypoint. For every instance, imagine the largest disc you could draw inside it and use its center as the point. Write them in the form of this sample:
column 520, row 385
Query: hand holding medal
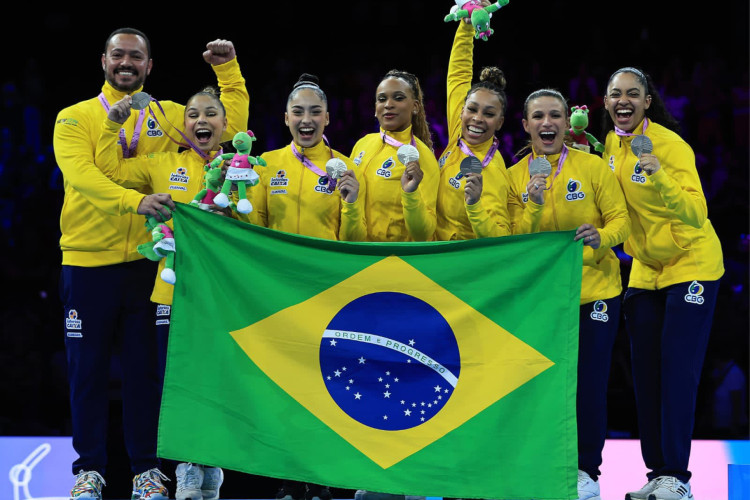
column 539, row 169
column 409, row 156
column 641, row 146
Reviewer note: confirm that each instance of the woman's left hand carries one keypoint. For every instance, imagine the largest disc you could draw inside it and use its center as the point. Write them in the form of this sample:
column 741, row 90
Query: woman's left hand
column 589, row 234
column 412, row 177
column 649, row 163
column 473, row 188
column 348, row 186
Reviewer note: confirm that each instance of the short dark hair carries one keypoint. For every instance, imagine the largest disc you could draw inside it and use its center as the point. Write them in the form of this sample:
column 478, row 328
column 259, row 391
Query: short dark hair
column 129, row 31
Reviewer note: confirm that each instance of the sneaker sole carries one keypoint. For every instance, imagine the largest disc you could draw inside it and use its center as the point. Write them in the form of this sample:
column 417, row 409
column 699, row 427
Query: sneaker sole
column 654, row 497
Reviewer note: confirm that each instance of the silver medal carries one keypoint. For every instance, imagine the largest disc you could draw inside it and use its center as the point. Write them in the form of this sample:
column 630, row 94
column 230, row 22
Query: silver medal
column 335, row 167
column 470, row 165
column 540, row 166
column 641, row 144
column 407, row 154
column 140, row 101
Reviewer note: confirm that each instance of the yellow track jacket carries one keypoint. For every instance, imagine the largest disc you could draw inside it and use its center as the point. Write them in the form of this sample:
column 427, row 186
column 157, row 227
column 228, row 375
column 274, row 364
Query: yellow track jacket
column 391, row 213
column 292, row 198
column 98, row 222
column 672, row 239
column 584, row 192
column 179, row 174
column 489, row 216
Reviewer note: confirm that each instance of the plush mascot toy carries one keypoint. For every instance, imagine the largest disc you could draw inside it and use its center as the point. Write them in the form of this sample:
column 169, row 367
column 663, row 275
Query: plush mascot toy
column 239, row 173
column 579, row 120
column 480, row 16
column 212, row 182
column 160, row 247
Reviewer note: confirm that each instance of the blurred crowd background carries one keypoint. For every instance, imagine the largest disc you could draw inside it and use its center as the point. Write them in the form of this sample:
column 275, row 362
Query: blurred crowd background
column 700, row 66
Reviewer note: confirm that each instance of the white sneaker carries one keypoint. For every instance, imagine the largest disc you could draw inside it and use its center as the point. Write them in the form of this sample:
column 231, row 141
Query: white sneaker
column 670, row 488
column 643, row 493
column 189, row 481
column 588, row 489
column 212, row 479
column 88, row 485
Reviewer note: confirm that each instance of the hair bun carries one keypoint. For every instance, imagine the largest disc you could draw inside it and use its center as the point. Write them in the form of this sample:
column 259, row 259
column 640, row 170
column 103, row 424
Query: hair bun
column 493, row 75
column 307, row 79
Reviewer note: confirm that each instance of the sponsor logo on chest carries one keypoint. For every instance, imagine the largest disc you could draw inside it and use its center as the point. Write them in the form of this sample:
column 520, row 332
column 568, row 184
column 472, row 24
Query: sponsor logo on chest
column 455, row 181
column 279, row 180
column 322, row 185
column 358, row 159
column 385, row 169
column 574, row 190
column 179, row 175
column 153, row 128
column 638, row 176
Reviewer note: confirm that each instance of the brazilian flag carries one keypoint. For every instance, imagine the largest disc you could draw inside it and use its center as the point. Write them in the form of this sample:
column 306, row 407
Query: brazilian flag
column 437, row 369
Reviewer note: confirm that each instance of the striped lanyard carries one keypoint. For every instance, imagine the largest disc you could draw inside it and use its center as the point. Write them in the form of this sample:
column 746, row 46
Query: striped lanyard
column 128, row 150
column 560, row 161
column 313, row 167
column 490, row 153
column 393, row 142
column 621, row 132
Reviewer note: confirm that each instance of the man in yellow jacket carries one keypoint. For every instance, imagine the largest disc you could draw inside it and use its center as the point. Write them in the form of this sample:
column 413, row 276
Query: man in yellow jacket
column 105, row 283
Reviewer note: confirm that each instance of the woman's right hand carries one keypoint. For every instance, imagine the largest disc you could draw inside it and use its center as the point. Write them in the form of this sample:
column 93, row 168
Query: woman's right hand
column 119, row 112
column 349, row 186
column 412, row 177
column 536, row 187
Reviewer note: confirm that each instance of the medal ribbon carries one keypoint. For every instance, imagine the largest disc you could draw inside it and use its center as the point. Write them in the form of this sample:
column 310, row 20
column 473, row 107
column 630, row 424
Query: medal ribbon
column 128, row 151
column 393, row 142
column 189, row 144
column 560, row 161
column 490, row 153
column 621, row 132
column 313, row 167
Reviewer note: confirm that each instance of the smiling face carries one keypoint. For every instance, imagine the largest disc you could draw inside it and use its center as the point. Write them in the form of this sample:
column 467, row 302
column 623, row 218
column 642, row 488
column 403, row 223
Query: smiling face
column 546, row 122
column 626, row 101
column 205, row 121
column 481, row 117
column 306, row 116
column 126, row 63
column 395, row 104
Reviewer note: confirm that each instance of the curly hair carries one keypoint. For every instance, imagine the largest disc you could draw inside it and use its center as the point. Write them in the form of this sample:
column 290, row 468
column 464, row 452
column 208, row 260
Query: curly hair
column 492, row 78
column 420, row 127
